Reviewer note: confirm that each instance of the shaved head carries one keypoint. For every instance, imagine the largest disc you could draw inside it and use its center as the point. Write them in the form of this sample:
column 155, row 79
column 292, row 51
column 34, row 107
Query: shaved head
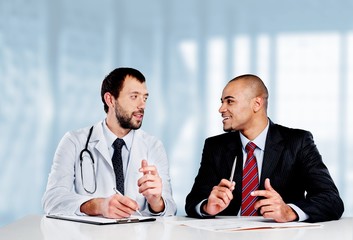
column 254, row 86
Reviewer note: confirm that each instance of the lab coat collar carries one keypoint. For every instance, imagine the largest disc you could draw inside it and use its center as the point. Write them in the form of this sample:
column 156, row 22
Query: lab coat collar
column 98, row 141
column 110, row 137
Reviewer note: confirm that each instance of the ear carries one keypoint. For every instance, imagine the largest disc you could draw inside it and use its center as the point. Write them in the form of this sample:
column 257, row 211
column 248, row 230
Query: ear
column 258, row 103
column 109, row 99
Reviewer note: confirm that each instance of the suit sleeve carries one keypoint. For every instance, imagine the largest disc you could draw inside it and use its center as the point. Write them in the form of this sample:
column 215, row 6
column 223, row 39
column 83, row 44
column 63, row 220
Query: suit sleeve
column 205, row 180
column 322, row 201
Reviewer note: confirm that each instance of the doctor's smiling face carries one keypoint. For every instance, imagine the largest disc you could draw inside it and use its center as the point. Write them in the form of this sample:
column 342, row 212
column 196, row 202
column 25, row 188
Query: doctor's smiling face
column 130, row 104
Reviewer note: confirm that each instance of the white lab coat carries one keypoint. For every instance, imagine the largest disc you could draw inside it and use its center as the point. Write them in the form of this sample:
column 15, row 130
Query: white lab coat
column 65, row 193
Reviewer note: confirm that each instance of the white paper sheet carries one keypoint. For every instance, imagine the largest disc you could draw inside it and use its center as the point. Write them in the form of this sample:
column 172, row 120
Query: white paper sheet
column 241, row 224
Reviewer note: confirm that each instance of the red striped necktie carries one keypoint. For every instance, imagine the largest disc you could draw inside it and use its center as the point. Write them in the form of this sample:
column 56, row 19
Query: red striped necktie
column 250, row 182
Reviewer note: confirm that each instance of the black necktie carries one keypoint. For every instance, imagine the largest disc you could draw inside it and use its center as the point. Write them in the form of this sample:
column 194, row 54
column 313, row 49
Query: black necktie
column 118, row 164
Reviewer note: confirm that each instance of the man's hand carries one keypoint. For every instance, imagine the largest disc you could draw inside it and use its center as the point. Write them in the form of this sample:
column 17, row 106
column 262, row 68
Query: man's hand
column 115, row 206
column 220, row 197
column 150, row 186
column 273, row 205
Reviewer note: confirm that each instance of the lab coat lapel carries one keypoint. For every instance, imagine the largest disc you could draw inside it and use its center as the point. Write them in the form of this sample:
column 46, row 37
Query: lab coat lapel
column 100, row 146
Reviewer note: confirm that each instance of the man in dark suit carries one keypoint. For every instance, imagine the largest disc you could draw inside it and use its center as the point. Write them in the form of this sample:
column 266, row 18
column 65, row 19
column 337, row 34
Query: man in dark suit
column 291, row 182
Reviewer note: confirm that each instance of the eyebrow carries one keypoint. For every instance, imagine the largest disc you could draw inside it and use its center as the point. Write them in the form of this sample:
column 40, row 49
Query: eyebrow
column 227, row 97
column 137, row 92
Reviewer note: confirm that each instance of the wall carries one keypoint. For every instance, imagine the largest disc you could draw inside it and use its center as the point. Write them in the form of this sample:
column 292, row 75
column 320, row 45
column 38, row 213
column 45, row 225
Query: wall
column 54, row 55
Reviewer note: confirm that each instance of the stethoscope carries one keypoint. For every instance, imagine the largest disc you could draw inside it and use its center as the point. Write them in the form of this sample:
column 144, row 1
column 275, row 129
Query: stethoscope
column 85, row 150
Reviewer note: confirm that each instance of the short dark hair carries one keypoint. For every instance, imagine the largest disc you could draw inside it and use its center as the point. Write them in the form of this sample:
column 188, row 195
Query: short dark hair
column 114, row 81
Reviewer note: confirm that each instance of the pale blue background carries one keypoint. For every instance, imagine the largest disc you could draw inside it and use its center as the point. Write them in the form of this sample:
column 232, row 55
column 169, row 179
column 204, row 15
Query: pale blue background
column 54, row 55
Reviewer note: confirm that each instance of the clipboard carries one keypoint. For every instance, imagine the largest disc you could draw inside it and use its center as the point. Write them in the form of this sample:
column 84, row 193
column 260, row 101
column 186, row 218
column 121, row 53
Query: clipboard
column 101, row 220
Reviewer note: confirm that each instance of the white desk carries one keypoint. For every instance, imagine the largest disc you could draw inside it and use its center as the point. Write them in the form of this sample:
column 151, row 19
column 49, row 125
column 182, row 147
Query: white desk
column 37, row 227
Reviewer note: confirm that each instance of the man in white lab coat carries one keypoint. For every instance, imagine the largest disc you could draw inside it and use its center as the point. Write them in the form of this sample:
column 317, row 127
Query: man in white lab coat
column 82, row 180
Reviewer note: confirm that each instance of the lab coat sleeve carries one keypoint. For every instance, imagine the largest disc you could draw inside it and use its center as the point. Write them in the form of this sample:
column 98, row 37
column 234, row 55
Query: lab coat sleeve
column 60, row 196
column 158, row 157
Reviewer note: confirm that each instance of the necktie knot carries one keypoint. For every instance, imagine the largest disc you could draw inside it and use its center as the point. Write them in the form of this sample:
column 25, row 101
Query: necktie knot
column 250, row 147
column 118, row 144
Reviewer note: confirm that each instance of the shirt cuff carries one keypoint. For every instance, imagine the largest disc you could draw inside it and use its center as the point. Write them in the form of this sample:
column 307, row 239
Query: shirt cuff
column 302, row 216
column 199, row 211
column 158, row 213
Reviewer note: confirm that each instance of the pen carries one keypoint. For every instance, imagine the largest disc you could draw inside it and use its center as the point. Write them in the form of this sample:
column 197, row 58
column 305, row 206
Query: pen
column 233, row 168
column 117, row 192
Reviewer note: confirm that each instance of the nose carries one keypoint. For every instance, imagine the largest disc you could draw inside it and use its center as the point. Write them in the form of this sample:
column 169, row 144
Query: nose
column 142, row 103
column 222, row 108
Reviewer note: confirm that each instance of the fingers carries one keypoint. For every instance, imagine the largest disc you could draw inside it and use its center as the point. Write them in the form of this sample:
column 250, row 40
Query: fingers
column 148, row 169
column 269, row 196
column 217, row 202
column 268, row 185
column 150, row 186
column 267, row 193
column 220, row 197
column 278, row 212
column 272, row 205
column 223, row 191
column 228, row 184
column 222, row 194
column 119, row 206
column 150, row 183
column 144, row 163
column 150, row 178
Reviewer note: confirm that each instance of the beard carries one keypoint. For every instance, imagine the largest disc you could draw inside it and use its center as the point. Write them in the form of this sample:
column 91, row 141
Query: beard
column 227, row 129
column 125, row 119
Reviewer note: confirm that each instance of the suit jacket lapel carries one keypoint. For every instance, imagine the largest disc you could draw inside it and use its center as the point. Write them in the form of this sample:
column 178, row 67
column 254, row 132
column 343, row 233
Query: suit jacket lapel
column 234, row 148
column 273, row 150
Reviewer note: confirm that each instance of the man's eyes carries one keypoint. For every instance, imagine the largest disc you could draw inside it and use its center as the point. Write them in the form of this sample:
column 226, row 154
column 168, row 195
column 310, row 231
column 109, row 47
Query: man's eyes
column 228, row 101
column 134, row 97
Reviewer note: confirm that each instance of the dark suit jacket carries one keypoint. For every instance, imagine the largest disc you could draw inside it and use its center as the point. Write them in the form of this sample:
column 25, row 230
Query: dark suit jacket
column 291, row 162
